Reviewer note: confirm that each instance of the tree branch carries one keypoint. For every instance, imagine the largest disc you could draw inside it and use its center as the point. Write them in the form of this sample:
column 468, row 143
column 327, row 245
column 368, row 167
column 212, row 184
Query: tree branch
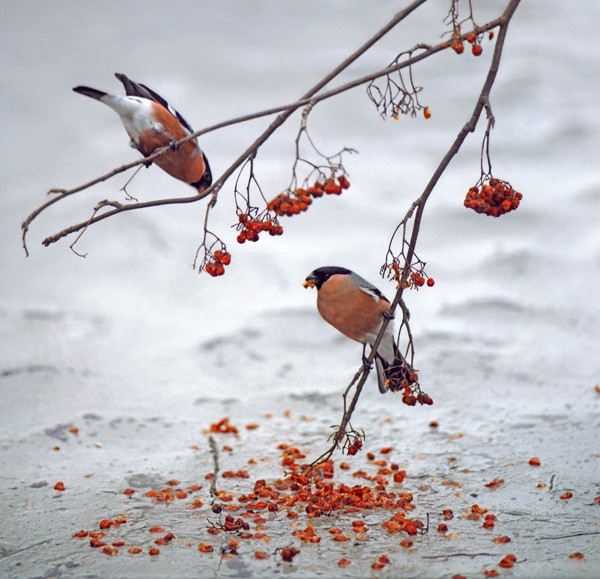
column 419, row 205
column 284, row 111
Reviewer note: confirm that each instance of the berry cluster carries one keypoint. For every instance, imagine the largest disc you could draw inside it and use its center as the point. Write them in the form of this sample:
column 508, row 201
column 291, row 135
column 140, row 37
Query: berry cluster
column 355, row 446
column 473, row 39
column 411, row 395
column 216, row 266
column 292, row 204
column 493, row 198
column 250, row 228
column 417, row 278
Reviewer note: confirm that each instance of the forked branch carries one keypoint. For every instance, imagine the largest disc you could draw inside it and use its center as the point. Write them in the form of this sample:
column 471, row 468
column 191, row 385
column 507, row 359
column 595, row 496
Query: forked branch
column 343, row 435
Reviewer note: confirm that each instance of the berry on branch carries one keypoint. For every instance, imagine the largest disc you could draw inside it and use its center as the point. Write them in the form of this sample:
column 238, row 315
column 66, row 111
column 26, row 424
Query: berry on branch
column 494, row 198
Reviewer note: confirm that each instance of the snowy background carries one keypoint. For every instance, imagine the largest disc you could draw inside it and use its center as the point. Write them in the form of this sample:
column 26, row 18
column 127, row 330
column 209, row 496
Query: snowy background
column 510, row 328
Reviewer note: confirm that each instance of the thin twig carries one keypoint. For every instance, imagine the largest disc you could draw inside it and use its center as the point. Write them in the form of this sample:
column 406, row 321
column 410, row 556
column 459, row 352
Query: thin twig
column 582, row 534
column 471, row 555
column 215, row 455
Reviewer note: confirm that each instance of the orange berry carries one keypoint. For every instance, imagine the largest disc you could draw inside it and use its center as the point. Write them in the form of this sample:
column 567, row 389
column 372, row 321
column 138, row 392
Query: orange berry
column 225, row 258
column 343, row 181
column 506, row 562
column 204, row 548
column 241, row 238
column 458, row 46
column 476, row 50
column 471, row 37
column 491, row 34
column 426, row 113
column 288, row 553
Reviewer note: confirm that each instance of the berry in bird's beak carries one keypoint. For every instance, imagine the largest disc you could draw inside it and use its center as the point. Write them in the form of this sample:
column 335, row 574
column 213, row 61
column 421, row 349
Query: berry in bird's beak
column 308, row 283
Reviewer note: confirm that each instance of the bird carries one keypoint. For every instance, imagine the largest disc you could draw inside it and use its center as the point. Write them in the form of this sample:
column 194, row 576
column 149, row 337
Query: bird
column 356, row 308
column 151, row 123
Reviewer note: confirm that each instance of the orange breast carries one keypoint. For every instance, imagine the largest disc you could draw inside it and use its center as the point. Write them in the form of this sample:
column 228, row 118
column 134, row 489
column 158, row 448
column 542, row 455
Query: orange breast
column 350, row 310
column 186, row 163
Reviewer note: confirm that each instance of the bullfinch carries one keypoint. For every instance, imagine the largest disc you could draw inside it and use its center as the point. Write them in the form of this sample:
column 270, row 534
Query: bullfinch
column 152, row 123
column 356, row 308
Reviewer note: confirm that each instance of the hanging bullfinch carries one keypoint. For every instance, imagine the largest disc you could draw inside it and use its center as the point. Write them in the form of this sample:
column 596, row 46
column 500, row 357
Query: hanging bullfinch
column 152, row 123
column 356, row 308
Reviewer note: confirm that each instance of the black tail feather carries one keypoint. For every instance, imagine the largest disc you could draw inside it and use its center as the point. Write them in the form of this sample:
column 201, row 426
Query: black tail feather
column 141, row 90
column 89, row 92
column 393, row 376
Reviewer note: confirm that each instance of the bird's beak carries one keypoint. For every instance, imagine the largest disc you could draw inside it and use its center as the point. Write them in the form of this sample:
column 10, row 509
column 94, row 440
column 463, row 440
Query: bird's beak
column 308, row 283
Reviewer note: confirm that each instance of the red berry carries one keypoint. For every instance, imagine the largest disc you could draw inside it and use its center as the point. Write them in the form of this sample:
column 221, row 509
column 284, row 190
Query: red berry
column 332, row 188
column 477, row 50
column 471, row 38
column 241, row 237
column 458, row 46
column 226, row 258
column 430, row 282
column 343, row 181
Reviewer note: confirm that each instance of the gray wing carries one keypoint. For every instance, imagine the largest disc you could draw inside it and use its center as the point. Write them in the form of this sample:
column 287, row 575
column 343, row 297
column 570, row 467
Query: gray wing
column 367, row 287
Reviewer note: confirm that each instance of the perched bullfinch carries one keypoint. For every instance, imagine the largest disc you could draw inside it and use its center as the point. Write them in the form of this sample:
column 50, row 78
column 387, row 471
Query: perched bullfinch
column 152, row 123
column 356, row 308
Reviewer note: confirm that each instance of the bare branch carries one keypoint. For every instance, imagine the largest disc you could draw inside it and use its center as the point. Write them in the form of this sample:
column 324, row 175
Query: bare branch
column 418, row 207
column 285, row 112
